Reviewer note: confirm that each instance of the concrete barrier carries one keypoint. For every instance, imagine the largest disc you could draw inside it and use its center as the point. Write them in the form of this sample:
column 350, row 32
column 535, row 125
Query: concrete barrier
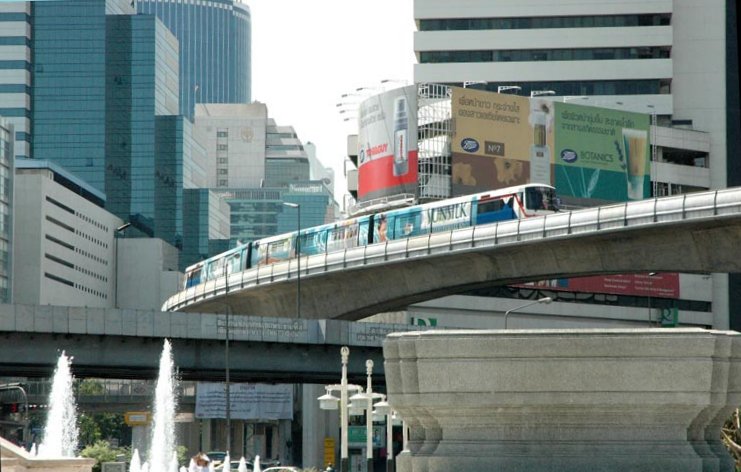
column 17, row 459
column 553, row 400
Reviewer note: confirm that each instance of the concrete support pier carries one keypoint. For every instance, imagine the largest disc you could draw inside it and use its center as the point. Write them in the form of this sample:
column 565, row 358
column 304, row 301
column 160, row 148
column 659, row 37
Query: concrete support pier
column 564, row 400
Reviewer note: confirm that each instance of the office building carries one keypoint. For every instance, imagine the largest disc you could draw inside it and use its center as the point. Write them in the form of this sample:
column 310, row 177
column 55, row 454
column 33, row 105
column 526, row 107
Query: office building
column 215, row 49
column 233, row 136
column 286, row 160
column 105, row 107
column 207, row 232
column 673, row 61
column 15, row 77
column 7, row 182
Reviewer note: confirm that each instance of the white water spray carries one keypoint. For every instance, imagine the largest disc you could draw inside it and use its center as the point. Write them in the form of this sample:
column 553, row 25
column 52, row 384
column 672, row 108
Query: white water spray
column 165, row 402
column 60, row 432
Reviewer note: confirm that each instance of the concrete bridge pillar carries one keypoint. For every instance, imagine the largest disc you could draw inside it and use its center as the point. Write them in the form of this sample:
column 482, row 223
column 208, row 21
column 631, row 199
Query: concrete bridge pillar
column 553, row 400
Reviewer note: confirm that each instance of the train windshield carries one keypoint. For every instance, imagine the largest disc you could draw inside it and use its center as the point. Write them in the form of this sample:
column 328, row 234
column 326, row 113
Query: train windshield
column 540, row 198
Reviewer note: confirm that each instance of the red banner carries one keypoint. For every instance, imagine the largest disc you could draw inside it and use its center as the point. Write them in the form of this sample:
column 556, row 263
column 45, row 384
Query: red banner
column 660, row 285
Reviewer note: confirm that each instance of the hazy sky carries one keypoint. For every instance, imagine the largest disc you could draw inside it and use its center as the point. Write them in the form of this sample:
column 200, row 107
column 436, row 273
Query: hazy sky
column 305, row 55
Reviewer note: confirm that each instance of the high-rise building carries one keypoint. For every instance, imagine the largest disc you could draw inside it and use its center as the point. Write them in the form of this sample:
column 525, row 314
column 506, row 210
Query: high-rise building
column 234, row 140
column 215, row 54
column 286, row 160
column 675, row 60
column 207, row 231
column 15, row 80
column 105, row 108
column 7, row 200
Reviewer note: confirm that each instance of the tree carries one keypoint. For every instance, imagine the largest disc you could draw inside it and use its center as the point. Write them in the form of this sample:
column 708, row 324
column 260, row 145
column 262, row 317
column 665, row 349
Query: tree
column 102, row 451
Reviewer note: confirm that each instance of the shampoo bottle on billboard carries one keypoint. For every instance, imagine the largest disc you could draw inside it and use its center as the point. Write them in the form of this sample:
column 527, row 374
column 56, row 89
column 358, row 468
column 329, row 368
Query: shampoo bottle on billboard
column 401, row 131
column 540, row 155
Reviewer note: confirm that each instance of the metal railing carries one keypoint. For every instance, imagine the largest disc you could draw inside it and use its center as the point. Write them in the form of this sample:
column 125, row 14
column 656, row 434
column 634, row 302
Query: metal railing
column 666, row 210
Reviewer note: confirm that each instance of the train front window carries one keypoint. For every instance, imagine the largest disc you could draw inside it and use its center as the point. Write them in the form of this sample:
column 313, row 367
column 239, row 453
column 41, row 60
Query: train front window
column 540, row 198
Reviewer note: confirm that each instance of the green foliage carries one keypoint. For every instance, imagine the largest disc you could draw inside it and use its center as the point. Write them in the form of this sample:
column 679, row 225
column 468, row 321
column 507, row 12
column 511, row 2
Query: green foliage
column 90, row 387
column 99, row 426
column 102, row 451
column 182, row 453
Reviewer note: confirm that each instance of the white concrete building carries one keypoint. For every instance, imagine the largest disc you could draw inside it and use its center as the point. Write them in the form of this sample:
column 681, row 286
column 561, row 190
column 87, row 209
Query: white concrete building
column 70, row 251
column 234, row 136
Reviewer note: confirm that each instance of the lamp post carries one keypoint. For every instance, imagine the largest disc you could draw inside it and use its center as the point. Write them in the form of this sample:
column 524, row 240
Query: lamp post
column 367, row 398
column 329, row 402
column 504, row 88
column 654, row 151
column 298, row 255
column 383, row 409
column 540, row 300
column 538, row 93
column 227, row 383
column 650, row 289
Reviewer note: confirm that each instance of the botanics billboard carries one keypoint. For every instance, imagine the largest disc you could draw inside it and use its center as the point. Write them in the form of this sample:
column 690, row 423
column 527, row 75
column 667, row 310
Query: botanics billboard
column 585, row 152
column 387, row 142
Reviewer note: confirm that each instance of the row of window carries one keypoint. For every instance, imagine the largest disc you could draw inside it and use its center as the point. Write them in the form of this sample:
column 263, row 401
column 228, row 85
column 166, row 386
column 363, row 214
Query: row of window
column 527, row 55
column 591, row 21
column 586, row 87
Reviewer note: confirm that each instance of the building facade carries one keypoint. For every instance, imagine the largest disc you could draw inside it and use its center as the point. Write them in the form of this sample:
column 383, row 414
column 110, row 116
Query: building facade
column 7, row 201
column 15, row 75
column 215, row 49
column 675, row 60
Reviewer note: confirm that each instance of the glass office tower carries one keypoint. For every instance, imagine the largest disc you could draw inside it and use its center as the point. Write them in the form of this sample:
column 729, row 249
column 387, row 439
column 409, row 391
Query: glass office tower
column 215, row 56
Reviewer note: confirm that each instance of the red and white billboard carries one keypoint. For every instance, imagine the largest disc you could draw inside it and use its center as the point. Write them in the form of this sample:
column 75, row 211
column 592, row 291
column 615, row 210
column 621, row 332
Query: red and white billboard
column 387, row 144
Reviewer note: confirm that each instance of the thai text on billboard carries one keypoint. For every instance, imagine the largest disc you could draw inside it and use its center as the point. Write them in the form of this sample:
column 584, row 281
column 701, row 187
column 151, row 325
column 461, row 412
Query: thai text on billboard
column 387, row 144
column 585, row 152
column 247, row 401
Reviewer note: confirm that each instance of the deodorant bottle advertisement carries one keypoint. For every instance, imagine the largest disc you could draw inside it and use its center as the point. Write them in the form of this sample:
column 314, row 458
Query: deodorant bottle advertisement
column 401, row 134
column 540, row 155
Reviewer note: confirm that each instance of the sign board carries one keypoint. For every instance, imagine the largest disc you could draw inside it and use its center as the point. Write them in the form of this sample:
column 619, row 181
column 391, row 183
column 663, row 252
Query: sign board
column 137, row 418
column 248, row 401
column 329, row 451
column 356, row 436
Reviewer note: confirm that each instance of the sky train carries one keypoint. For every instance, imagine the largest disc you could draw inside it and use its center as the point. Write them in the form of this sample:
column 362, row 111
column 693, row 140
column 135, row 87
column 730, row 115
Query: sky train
column 520, row 201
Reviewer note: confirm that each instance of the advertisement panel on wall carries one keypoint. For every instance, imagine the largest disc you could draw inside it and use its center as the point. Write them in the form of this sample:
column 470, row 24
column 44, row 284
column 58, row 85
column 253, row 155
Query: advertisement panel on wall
column 601, row 153
column 493, row 141
column 387, row 144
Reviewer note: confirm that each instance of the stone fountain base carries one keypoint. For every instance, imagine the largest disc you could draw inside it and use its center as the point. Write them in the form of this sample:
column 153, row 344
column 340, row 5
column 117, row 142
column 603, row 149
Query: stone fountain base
column 16, row 459
column 564, row 400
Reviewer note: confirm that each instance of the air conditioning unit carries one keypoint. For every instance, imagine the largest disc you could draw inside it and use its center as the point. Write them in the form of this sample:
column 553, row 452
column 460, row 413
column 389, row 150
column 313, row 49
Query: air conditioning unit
column 113, row 467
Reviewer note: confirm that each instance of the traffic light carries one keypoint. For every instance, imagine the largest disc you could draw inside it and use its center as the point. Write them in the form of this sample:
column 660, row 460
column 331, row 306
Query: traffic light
column 10, row 408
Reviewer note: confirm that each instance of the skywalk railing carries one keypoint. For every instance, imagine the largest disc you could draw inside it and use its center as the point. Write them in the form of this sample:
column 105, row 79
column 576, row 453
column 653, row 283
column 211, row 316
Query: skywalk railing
column 666, row 210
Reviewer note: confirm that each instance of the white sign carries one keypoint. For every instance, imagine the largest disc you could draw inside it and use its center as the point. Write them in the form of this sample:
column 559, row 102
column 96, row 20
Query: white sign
column 248, row 401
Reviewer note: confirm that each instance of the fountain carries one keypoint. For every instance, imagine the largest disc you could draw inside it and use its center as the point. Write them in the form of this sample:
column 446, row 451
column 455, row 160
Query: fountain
column 256, row 465
column 242, row 467
column 57, row 450
column 60, row 432
column 162, row 454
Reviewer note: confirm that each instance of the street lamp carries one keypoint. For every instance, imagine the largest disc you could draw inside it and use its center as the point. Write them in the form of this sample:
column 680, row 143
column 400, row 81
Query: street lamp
column 383, row 409
column 504, row 88
column 650, row 289
column 298, row 255
column 545, row 300
column 227, row 383
column 368, row 398
column 537, row 93
column 329, row 402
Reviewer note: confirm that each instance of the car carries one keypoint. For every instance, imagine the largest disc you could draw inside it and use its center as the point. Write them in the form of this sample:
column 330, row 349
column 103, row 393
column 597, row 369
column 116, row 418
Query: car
column 233, row 466
column 216, row 457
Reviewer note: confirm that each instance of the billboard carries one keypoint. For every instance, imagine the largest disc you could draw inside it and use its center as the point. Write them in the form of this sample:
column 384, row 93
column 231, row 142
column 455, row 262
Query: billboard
column 387, row 144
column 247, row 401
column 492, row 142
column 501, row 140
column 601, row 153
column 660, row 285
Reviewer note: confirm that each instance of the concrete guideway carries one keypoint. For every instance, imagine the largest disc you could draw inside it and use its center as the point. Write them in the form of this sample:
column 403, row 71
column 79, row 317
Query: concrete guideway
column 115, row 343
column 696, row 232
